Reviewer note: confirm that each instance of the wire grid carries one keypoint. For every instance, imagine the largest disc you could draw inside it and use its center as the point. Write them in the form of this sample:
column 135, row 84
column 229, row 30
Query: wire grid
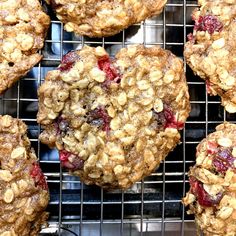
column 152, row 206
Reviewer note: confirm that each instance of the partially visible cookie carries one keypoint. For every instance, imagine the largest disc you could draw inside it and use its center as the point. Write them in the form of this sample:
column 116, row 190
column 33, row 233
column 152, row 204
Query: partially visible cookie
column 23, row 27
column 114, row 120
column 23, row 188
column 212, row 195
column 99, row 18
column 211, row 49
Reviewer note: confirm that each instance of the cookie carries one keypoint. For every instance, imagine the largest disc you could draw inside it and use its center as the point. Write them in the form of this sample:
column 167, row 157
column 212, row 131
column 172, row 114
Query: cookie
column 23, row 188
column 95, row 18
column 23, row 27
column 114, row 120
column 212, row 195
column 211, row 49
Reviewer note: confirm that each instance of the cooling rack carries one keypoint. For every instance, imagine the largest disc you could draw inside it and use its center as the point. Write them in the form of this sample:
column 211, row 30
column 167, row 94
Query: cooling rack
column 152, row 206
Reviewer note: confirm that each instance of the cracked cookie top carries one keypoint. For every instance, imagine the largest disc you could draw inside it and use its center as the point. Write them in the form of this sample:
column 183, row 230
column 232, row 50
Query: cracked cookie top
column 212, row 195
column 114, row 120
column 211, row 49
column 98, row 18
column 23, row 26
column 23, row 187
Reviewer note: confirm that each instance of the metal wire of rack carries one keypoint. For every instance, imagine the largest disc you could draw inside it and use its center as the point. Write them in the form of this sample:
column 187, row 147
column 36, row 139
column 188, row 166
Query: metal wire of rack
column 152, row 206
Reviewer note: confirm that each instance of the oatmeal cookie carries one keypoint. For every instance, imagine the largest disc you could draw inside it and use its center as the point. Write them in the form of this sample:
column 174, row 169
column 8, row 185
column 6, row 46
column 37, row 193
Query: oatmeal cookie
column 114, row 120
column 212, row 195
column 23, row 188
column 99, row 18
column 23, row 26
column 211, row 49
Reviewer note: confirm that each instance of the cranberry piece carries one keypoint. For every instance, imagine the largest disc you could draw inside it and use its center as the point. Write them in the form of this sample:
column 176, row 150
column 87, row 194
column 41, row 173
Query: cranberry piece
column 208, row 87
column 212, row 147
column 68, row 60
column 99, row 117
column 168, row 119
column 105, row 64
column 76, row 164
column 208, row 23
column 38, row 176
column 191, row 37
column 204, row 199
column 223, row 160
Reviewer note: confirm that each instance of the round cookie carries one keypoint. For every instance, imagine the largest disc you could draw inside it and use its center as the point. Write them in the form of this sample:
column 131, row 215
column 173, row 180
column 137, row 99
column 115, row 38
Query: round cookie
column 23, row 188
column 114, row 120
column 212, row 195
column 99, row 18
column 23, row 27
column 211, row 49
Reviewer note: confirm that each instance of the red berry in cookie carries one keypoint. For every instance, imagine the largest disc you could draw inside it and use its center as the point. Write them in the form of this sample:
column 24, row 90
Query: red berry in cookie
column 191, row 37
column 209, row 23
column 38, row 176
column 212, row 147
column 68, row 61
column 114, row 120
column 70, row 161
column 212, row 179
column 223, row 160
column 105, row 64
column 203, row 198
column 100, row 118
column 23, row 187
column 168, row 119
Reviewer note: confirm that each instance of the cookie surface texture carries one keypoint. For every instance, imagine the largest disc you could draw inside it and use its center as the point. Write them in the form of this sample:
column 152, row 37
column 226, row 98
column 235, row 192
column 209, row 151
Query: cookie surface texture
column 104, row 17
column 114, row 120
column 211, row 49
column 212, row 195
column 23, row 27
column 23, row 187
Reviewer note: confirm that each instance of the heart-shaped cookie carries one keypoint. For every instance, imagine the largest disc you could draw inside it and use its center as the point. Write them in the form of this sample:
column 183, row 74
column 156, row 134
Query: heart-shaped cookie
column 114, row 120
column 98, row 18
column 23, row 187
